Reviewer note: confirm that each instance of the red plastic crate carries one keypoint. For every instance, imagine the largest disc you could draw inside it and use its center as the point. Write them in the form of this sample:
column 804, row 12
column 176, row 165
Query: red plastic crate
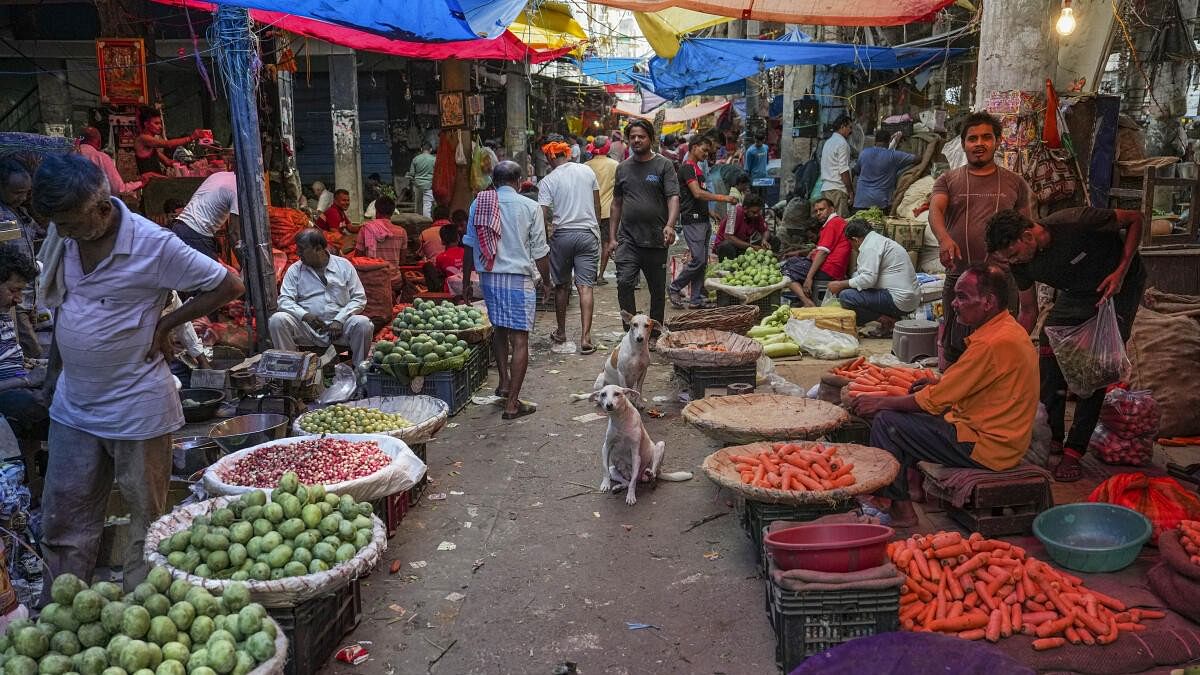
column 391, row 510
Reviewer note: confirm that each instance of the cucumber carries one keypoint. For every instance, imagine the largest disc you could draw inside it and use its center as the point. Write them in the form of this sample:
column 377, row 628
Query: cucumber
column 780, row 349
column 763, row 331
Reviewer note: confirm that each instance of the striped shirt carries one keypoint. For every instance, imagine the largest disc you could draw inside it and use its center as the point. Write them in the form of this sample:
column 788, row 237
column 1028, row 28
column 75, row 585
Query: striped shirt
column 12, row 361
column 105, row 327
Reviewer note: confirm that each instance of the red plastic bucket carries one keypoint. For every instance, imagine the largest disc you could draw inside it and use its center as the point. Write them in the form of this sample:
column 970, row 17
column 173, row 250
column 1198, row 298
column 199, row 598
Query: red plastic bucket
column 840, row 547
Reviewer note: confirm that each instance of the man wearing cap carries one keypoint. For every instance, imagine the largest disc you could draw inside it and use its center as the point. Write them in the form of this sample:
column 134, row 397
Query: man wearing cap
column 605, row 168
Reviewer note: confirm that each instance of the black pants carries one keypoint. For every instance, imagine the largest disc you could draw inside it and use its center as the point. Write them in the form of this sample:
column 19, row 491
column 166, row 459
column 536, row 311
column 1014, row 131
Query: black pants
column 918, row 437
column 1071, row 310
column 652, row 264
column 206, row 245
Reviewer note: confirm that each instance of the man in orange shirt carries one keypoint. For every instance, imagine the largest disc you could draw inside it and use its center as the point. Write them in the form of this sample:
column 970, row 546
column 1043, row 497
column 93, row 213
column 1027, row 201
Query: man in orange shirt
column 980, row 414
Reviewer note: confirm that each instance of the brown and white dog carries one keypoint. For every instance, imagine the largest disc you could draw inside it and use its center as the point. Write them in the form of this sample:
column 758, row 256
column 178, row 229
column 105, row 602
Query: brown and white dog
column 626, row 367
column 629, row 456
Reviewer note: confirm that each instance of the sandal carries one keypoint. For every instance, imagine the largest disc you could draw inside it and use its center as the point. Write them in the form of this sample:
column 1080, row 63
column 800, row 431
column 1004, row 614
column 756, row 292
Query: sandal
column 1069, row 469
column 501, row 393
column 557, row 338
column 584, row 350
column 523, row 409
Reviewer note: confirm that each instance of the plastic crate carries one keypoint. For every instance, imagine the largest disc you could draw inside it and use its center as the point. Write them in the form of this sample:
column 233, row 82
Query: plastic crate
column 757, row 515
column 810, row 623
column 414, row 493
column 451, row 386
column 392, row 509
column 477, row 365
column 765, row 305
column 315, row 628
column 697, row 380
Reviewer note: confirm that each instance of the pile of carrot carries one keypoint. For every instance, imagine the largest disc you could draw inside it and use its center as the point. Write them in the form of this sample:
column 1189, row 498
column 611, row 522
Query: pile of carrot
column 792, row 466
column 873, row 380
column 707, row 346
column 979, row 588
column 1189, row 537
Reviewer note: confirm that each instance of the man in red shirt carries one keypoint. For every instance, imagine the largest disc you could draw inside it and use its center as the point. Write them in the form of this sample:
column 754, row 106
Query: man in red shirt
column 743, row 228
column 828, row 261
column 334, row 222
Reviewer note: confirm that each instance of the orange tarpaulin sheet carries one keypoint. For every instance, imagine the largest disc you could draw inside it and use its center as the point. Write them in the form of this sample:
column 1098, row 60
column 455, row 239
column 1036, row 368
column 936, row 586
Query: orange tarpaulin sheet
column 810, row 12
column 676, row 114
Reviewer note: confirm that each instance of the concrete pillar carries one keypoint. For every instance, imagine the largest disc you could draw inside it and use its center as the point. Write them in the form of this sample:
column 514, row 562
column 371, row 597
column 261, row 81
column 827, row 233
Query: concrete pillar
column 54, row 98
column 347, row 150
column 1168, row 101
column 456, row 76
column 1018, row 48
column 516, row 125
column 287, row 136
column 753, row 104
column 793, row 151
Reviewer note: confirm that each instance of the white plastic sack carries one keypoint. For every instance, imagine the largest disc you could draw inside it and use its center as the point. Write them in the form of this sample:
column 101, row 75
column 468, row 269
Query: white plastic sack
column 403, row 473
column 821, row 343
column 746, row 294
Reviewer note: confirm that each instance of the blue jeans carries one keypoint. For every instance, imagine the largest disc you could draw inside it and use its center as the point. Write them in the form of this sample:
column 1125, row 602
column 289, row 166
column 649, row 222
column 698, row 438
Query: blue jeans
column 26, row 415
column 869, row 304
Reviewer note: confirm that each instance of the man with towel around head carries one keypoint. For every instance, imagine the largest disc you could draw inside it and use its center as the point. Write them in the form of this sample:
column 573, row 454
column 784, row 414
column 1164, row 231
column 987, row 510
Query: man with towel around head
column 980, row 414
column 506, row 241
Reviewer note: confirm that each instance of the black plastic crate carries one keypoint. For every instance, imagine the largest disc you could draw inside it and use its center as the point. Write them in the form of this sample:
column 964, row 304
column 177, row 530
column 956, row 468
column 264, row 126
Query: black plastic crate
column 414, row 493
column 477, row 365
column 315, row 628
column 857, row 430
column 810, row 623
column 451, row 386
column 766, row 305
column 697, row 379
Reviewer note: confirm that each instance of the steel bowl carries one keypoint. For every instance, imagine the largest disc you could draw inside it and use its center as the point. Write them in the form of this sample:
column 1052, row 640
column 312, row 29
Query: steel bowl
column 206, row 403
column 191, row 454
column 244, row 431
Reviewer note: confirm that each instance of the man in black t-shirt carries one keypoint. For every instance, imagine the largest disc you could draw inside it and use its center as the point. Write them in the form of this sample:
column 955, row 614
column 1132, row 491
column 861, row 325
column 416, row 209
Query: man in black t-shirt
column 696, row 223
column 1083, row 255
column 645, row 207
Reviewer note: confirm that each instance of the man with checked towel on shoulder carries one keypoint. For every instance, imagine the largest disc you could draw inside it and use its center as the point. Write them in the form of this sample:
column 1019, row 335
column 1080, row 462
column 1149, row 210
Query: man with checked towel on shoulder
column 506, row 242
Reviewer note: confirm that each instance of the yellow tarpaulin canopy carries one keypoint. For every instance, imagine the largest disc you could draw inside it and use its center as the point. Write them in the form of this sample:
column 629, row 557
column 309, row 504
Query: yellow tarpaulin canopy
column 550, row 26
column 664, row 27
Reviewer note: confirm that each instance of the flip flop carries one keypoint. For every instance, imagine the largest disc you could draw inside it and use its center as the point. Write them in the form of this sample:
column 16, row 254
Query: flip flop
column 501, row 393
column 557, row 338
column 1068, row 470
column 523, row 409
column 587, row 349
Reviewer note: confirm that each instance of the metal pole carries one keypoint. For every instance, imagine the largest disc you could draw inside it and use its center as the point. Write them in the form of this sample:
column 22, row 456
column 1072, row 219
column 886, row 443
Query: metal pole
column 237, row 55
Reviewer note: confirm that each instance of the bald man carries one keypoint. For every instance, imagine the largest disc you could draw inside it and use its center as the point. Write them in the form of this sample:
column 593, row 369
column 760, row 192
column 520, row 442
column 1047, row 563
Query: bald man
column 89, row 146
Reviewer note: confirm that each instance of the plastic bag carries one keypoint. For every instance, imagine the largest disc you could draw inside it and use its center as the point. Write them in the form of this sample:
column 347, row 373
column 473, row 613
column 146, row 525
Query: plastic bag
column 1163, row 500
column 1092, row 354
column 831, row 300
column 1127, row 429
column 821, row 343
column 403, row 473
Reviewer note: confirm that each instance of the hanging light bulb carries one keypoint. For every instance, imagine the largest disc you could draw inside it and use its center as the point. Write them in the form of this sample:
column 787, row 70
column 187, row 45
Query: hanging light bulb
column 1066, row 19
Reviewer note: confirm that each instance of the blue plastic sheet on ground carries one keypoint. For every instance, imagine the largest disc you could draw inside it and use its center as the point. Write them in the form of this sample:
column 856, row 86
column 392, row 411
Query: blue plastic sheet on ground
column 705, row 63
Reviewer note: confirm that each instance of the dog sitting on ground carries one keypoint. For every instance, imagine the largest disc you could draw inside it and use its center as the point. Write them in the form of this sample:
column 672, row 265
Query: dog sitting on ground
column 629, row 456
column 626, row 367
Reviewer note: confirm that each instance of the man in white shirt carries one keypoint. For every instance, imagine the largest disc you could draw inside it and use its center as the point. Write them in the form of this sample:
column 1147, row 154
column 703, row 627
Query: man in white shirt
column 108, row 274
column 321, row 301
column 570, row 198
column 884, row 287
column 836, row 184
column 214, row 202
column 89, row 147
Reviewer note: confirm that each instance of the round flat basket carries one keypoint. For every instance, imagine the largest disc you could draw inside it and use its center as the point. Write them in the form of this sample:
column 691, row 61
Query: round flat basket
column 873, row 469
column 685, row 348
column 427, row 414
column 764, row 417
column 286, row 592
column 732, row 318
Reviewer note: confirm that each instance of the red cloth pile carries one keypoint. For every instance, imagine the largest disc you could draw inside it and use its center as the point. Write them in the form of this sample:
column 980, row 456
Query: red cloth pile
column 1163, row 500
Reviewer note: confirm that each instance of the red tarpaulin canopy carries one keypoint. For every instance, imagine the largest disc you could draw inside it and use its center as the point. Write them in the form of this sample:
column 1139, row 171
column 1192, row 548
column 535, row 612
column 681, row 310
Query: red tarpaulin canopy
column 805, row 12
column 507, row 47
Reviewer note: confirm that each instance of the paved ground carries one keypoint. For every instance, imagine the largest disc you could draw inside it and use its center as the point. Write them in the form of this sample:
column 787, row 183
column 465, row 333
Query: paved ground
column 544, row 571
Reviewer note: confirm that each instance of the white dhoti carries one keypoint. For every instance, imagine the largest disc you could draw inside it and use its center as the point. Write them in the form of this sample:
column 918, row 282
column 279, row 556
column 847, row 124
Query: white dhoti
column 288, row 332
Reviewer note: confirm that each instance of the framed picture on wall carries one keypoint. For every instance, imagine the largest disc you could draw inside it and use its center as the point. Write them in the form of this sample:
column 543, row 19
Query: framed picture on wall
column 122, row 64
column 453, row 114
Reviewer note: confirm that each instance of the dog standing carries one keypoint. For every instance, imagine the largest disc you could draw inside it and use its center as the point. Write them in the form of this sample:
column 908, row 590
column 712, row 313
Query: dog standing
column 629, row 456
column 626, row 367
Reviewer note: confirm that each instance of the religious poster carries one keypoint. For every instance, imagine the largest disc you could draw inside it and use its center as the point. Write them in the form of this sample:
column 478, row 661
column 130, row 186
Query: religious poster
column 453, row 113
column 122, row 64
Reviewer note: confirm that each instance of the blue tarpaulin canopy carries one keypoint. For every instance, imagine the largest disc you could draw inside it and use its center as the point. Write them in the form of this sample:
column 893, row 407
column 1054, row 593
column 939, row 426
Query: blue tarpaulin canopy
column 706, row 63
column 610, row 70
column 418, row 20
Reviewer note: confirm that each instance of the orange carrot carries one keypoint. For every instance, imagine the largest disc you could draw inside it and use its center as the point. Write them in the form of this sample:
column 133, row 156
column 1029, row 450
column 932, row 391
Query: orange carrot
column 993, row 626
column 1055, row 627
column 976, row 634
column 960, row 623
column 1048, row 643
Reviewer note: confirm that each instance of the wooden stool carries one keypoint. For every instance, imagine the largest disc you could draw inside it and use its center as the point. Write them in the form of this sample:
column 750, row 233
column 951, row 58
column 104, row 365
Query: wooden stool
column 998, row 508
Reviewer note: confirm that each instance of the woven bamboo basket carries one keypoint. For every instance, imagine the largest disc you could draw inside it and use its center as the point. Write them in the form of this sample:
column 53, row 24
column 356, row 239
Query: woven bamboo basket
column 733, row 318
column 427, row 414
column 873, row 468
column 764, row 417
column 829, row 318
column 286, row 592
column 679, row 349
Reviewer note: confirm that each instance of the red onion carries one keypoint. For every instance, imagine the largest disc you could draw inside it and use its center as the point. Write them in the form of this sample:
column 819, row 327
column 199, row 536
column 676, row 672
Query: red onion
column 317, row 461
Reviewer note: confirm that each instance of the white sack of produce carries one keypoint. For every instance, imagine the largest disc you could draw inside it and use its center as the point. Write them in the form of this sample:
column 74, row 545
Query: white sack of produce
column 821, row 343
column 746, row 294
column 337, row 461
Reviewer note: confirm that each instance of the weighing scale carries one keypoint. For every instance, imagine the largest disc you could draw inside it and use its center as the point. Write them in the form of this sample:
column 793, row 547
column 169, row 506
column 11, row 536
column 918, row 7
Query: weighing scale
column 290, row 378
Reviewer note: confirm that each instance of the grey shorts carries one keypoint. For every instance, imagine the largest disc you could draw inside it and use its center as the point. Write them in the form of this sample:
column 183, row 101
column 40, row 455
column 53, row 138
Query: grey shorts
column 574, row 250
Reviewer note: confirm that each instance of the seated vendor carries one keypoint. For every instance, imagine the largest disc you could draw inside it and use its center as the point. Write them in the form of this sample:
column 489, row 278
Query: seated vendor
column 321, row 301
column 744, row 228
column 827, row 262
column 884, row 286
column 379, row 238
column 980, row 414
column 21, row 401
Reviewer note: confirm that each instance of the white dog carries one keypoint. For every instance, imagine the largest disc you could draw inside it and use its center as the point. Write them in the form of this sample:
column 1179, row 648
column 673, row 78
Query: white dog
column 629, row 455
column 626, row 367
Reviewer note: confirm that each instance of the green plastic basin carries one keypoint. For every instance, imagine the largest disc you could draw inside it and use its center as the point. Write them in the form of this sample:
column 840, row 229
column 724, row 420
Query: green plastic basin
column 1092, row 537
